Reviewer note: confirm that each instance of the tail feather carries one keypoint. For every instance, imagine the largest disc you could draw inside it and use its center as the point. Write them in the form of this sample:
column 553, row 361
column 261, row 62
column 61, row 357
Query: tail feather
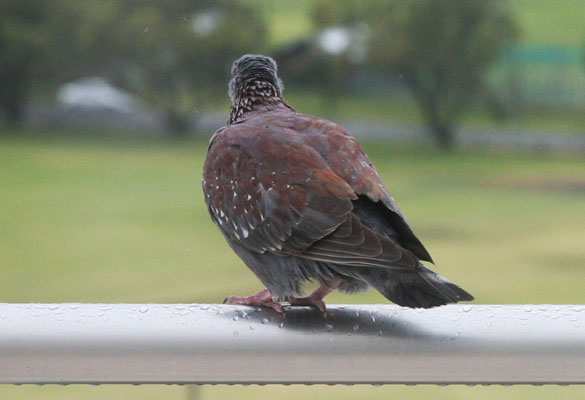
column 418, row 288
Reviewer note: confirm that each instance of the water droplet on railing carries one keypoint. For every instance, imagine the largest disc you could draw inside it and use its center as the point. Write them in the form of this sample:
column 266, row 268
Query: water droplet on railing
column 328, row 327
column 264, row 320
column 143, row 310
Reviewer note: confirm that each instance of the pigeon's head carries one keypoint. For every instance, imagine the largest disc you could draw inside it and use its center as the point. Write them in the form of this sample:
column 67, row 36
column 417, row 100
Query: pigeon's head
column 249, row 71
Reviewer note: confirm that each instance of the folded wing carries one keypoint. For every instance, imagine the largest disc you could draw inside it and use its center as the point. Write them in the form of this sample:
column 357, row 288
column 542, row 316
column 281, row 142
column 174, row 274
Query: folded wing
column 273, row 192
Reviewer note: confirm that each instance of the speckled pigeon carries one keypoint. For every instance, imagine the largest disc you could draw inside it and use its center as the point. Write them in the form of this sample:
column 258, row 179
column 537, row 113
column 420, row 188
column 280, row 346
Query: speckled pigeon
column 298, row 200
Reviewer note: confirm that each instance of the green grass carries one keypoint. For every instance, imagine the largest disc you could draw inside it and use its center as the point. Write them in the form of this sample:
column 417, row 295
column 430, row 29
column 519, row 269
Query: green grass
column 286, row 21
column 96, row 220
column 550, row 21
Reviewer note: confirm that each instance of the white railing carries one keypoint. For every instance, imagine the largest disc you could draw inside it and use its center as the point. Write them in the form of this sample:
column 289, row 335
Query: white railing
column 202, row 343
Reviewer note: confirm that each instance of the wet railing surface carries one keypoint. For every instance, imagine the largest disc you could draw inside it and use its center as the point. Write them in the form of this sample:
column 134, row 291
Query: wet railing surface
column 209, row 343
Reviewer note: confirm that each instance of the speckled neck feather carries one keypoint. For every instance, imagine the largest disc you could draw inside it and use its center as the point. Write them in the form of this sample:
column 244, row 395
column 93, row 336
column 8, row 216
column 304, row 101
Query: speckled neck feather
column 254, row 87
column 258, row 96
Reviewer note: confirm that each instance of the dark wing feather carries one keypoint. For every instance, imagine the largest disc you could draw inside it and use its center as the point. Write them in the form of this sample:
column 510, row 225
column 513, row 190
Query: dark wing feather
column 270, row 192
column 345, row 157
column 362, row 247
column 289, row 185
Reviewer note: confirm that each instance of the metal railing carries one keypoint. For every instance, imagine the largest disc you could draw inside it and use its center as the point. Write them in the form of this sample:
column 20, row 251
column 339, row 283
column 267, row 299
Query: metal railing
column 208, row 343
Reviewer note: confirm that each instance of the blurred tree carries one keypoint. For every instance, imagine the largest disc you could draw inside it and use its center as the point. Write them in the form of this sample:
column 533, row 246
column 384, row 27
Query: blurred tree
column 22, row 38
column 307, row 67
column 177, row 55
column 173, row 55
column 441, row 50
column 44, row 43
column 327, row 62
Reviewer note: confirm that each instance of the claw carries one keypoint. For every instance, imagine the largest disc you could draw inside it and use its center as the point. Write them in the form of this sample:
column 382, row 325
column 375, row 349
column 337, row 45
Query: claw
column 309, row 301
column 315, row 299
column 263, row 298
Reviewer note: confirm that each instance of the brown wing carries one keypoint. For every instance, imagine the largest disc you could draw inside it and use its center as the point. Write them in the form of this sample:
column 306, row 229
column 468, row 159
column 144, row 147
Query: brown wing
column 349, row 161
column 270, row 191
column 346, row 158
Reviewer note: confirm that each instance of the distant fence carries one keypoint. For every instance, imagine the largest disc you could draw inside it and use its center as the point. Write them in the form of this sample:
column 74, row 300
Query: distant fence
column 542, row 76
column 526, row 76
column 374, row 344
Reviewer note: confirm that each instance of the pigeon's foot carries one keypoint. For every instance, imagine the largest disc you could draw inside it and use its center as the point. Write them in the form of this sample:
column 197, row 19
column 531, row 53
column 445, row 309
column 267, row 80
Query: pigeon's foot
column 315, row 299
column 308, row 301
column 263, row 298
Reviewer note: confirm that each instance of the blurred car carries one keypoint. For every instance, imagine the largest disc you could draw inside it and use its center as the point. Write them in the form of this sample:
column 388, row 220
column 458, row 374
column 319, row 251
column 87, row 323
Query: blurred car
column 95, row 93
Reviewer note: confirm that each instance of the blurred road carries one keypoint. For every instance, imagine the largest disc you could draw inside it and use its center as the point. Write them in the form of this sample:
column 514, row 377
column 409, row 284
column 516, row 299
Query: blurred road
column 467, row 136
column 145, row 121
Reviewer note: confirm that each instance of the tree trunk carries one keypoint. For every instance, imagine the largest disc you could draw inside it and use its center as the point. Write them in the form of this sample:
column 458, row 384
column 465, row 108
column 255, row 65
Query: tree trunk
column 13, row 94
column 444, row 135
column 176, row 124
column 440, row 126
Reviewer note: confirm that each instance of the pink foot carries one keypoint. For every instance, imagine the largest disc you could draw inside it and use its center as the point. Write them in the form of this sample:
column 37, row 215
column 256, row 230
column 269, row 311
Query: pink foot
column 262, row 298
column 308, row 301
column 315, row 299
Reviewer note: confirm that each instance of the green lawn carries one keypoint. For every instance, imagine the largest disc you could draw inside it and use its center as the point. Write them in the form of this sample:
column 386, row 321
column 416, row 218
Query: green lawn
column 96, row 220
column 550, row 21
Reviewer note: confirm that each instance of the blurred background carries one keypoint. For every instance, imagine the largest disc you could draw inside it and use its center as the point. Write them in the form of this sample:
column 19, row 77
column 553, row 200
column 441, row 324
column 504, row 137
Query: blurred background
column 473, row 112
